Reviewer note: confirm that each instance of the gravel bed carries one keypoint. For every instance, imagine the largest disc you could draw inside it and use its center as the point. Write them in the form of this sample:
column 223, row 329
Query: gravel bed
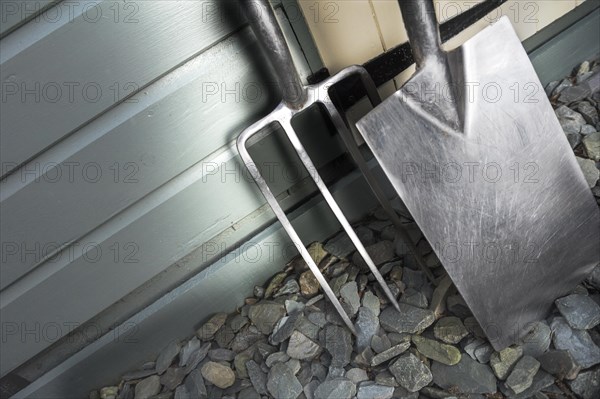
column 287, row 341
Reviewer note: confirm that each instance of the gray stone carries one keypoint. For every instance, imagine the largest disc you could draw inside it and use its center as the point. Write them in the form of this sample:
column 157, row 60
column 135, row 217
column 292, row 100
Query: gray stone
column 522, row 374
column 432, row 349
column 540, row 381
column 577, row 342
column 338, row 342
column 292, row 307
column 565, row 83
column 574, row 94
column 414, row 298
column 589, row 112
column 564, row 112
column 166, row 356
column 317, row 318
column 338, row 282
column 591, row 143
column 471, row 345
column 335, row 373
column 411, row 373
column 147, row 387
column 181, row 392
column 537, row 340
column 249, row 393
column 307, row 328
column 218, row 374
column 457, row 305
column 340, row 246
column 560, row 363
column 194, row 384
column 240, row 361
column 386, row 378
column 587, row 384
column 390, row 354
column 413, row 278
column 588, row 129
column 380, row 343
column 335, row 389
column 570, row 127
column 290, row 287
column 349, row 294
column 186, row 351
column 282, row 383
column 265, row 315
column 380, row 252
column 138, row 374
column 309, row 389
column 372, row 302
column 259, row 292
column 550, row 87
column 594, row 278
column 244, row 339
column 472, row 326
column 590, row 172
column 366, row 326
column 302, row 348
column 318, row 371
column 210, row 328
column 580, row 311
column 483, row 353
column 284, row 328
column 172, row 377
column 502, row 362
column 196, row 357
column 411, row 319
column 374, row 391
column 221, row 355
column 357, row 375
column 468, row 376
column 450, row 330
column 294, row 365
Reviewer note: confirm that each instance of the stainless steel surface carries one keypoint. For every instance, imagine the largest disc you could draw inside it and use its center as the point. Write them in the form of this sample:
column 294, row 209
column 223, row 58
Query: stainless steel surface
column 502, row 200
column 296, row 99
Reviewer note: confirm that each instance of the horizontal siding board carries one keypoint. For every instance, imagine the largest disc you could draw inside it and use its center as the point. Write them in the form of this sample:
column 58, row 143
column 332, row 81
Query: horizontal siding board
column 15, row 12
column 160, row 229
column 178, row 313
column 114, row 55
column 154, row 142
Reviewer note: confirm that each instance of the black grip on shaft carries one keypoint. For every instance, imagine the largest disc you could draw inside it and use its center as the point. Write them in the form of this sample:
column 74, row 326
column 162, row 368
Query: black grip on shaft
column 267, row 30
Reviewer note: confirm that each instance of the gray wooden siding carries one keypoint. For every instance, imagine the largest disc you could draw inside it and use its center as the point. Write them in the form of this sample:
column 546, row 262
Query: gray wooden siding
column 100, row 197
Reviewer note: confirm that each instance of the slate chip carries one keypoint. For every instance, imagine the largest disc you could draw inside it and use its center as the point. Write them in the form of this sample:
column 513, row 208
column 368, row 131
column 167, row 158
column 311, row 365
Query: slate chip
column 341, row 388
column 411, row 373
column 577, row 342
column 282, row 383
column 411, row 319
column 468, row 376
column 580, row 311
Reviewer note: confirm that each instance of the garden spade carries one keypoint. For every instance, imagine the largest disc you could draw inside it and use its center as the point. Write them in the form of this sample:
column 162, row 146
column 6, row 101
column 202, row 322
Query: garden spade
column 473, row 147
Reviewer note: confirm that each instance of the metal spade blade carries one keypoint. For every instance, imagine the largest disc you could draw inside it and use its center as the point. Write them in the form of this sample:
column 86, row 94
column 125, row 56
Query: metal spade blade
column 472, row 146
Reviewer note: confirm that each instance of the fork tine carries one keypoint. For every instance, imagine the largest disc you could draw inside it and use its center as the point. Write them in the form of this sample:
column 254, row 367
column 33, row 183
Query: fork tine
column 308, row 164
column 341, row 123
column 272, row 201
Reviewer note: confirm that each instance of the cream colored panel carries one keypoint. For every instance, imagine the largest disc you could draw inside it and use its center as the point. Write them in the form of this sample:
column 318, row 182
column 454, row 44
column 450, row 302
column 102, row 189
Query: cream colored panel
column 550, row 10
column 345, row 31
column 387, row 14
column 361, row 29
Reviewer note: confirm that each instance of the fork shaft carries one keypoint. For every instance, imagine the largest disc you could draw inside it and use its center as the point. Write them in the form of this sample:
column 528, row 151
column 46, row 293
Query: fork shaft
column 269, row 34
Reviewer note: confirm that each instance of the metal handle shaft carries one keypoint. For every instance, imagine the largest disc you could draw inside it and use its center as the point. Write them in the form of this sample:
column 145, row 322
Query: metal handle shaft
column 269, row 34
column 423, row 30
